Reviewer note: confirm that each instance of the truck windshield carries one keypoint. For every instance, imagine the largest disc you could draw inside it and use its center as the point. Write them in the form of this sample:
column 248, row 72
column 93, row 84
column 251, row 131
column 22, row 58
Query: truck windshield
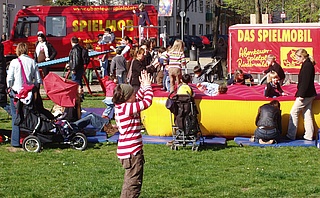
column 26, row 26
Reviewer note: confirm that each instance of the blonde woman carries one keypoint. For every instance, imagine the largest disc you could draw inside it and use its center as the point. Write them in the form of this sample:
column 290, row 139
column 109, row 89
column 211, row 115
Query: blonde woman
column 176, row 60
column 305, row 95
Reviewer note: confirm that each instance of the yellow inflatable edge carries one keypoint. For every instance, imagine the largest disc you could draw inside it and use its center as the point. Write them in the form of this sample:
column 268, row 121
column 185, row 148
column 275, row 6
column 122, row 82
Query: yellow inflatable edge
column 223, row 118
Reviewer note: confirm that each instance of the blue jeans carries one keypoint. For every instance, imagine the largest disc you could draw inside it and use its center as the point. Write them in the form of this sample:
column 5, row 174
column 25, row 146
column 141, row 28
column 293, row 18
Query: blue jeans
column 266, row 135
column 167, row 83
column 104, row 68
column 121, row 78
column 77, row 77
column 95, row 120
column 15, row 134
column 109, row 111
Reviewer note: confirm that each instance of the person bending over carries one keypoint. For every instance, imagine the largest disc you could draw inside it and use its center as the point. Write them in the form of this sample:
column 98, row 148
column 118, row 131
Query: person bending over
column 268, row 122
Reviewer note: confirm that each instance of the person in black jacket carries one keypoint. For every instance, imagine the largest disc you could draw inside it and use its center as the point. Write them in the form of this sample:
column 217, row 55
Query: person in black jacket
column 220, row 52
column 274, row 66
column 137, row 67
column 76, row 64
column 305, row 95
column 268, row 122
column 44, row 52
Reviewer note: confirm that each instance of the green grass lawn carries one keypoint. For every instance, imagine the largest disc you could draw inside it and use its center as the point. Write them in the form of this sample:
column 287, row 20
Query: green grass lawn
column 231, row 171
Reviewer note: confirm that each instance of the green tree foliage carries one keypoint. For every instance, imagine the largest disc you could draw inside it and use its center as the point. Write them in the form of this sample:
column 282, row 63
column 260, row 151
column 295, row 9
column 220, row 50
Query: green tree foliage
column 296, row 10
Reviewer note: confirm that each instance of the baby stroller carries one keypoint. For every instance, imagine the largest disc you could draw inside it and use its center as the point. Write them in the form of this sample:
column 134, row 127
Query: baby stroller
column 185, row 126
column 43, row 127
column 213, row 70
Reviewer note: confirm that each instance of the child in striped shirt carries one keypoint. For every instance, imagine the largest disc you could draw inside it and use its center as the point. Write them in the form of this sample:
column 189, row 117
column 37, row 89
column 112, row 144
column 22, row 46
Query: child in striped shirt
column 176, row 60
column 127, row 115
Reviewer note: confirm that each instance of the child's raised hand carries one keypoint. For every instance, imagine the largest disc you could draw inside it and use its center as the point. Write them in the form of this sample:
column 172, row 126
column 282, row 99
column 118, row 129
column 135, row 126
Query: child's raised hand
column 145, row 78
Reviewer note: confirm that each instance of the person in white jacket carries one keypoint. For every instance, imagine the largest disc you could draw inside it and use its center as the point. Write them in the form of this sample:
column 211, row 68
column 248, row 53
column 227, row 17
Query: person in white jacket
column 15, row 83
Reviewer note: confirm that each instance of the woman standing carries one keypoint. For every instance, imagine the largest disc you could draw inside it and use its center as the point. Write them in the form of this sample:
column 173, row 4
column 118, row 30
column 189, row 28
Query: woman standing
column 176, row 61
column 15, row 83
column 44, row 52
column 305, row 95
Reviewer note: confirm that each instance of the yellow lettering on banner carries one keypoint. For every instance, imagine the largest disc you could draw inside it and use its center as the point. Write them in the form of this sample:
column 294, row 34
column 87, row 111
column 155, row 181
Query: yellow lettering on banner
column 75, row 25
column 285, row 36
column 89, row 25
column 130, row 23
column 95, row 25
column 101, row 25
column 120, row 24
column 274, row 35
column 252, row 58
column 265, row 35
column 112, row 24
column 83, row 25
column 240, row 35
column 246, row 35
column 280, row 35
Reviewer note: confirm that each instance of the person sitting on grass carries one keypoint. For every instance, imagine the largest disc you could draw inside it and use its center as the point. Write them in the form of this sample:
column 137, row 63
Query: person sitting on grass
column 268, row 122
column 273, row 88
column 212, row 89
column 239, row 78
column 184, row 88
column 198, row 75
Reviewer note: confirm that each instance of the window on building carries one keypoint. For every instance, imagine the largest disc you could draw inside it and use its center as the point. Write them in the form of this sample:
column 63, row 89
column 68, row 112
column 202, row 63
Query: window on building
column 208, row 31
column 195, row 6
column 178, row 27
column 167, row 23
column 186, row 28
column 194, row 32
column 200, row 29
column 201, row 6
column 56, row 26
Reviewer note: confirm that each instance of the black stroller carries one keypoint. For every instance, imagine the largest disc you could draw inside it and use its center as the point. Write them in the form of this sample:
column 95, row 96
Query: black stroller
column 43, row 127
column 185, row 127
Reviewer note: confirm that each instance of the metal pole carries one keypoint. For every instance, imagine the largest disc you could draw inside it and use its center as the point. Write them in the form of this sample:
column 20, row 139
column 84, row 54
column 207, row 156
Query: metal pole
column 165, row 36
column 182, row 24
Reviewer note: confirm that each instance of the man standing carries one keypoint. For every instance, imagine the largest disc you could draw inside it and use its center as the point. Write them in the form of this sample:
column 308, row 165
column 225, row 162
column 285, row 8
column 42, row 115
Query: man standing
column 76, row 67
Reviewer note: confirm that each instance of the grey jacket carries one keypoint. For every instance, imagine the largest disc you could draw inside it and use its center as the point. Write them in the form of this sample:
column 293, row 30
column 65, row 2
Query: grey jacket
column 118, row 63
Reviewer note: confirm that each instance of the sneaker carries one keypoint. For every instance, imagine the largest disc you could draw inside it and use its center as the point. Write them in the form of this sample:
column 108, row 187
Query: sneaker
column 267, row 142
column 251, row 139
column 109, row 129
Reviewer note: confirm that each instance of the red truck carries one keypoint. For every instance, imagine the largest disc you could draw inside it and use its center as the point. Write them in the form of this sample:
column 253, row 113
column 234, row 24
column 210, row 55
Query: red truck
column 61, row 23
column 249, row 45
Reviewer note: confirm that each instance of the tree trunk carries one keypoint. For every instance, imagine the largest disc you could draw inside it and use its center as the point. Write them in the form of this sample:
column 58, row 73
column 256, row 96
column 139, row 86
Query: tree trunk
column 258, row 11
column 216, row 22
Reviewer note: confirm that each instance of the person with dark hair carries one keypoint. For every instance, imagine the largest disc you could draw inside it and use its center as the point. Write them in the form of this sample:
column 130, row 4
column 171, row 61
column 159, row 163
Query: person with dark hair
column 19, row 67
column 118, row 64
column 76, row 64
column 3, row 37
column 305, row 95
column 136, row 68
column 108, row 36
column 268, row 122
column 128, row 105
column 184, row 88
column 198, row 75
column 44, row 52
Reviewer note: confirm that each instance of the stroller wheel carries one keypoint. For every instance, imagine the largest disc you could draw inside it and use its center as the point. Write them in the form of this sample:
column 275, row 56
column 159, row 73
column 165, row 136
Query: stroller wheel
column 79, row 142
column 31, row 144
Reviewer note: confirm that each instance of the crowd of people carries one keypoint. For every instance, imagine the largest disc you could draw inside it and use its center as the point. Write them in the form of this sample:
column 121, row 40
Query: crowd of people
column 128, row 90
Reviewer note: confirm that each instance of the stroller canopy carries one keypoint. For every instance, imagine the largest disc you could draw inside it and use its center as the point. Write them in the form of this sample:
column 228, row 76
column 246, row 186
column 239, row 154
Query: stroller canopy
column 61, row 91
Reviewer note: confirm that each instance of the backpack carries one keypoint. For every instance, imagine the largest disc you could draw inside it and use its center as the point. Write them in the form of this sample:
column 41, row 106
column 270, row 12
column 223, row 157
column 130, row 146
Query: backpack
column 85, row 56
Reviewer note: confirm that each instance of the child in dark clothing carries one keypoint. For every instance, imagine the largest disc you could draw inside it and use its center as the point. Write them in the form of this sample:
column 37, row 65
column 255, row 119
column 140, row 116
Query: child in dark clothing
column 143, row 18
column 118, row 64
column 273, row 88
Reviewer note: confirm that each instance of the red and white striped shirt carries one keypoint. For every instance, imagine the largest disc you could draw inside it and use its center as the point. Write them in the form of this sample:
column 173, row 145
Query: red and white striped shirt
column 127, row 116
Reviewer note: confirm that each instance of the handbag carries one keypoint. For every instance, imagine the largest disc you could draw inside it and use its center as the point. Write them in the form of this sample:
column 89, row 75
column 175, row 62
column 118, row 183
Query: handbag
column 26, row 88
